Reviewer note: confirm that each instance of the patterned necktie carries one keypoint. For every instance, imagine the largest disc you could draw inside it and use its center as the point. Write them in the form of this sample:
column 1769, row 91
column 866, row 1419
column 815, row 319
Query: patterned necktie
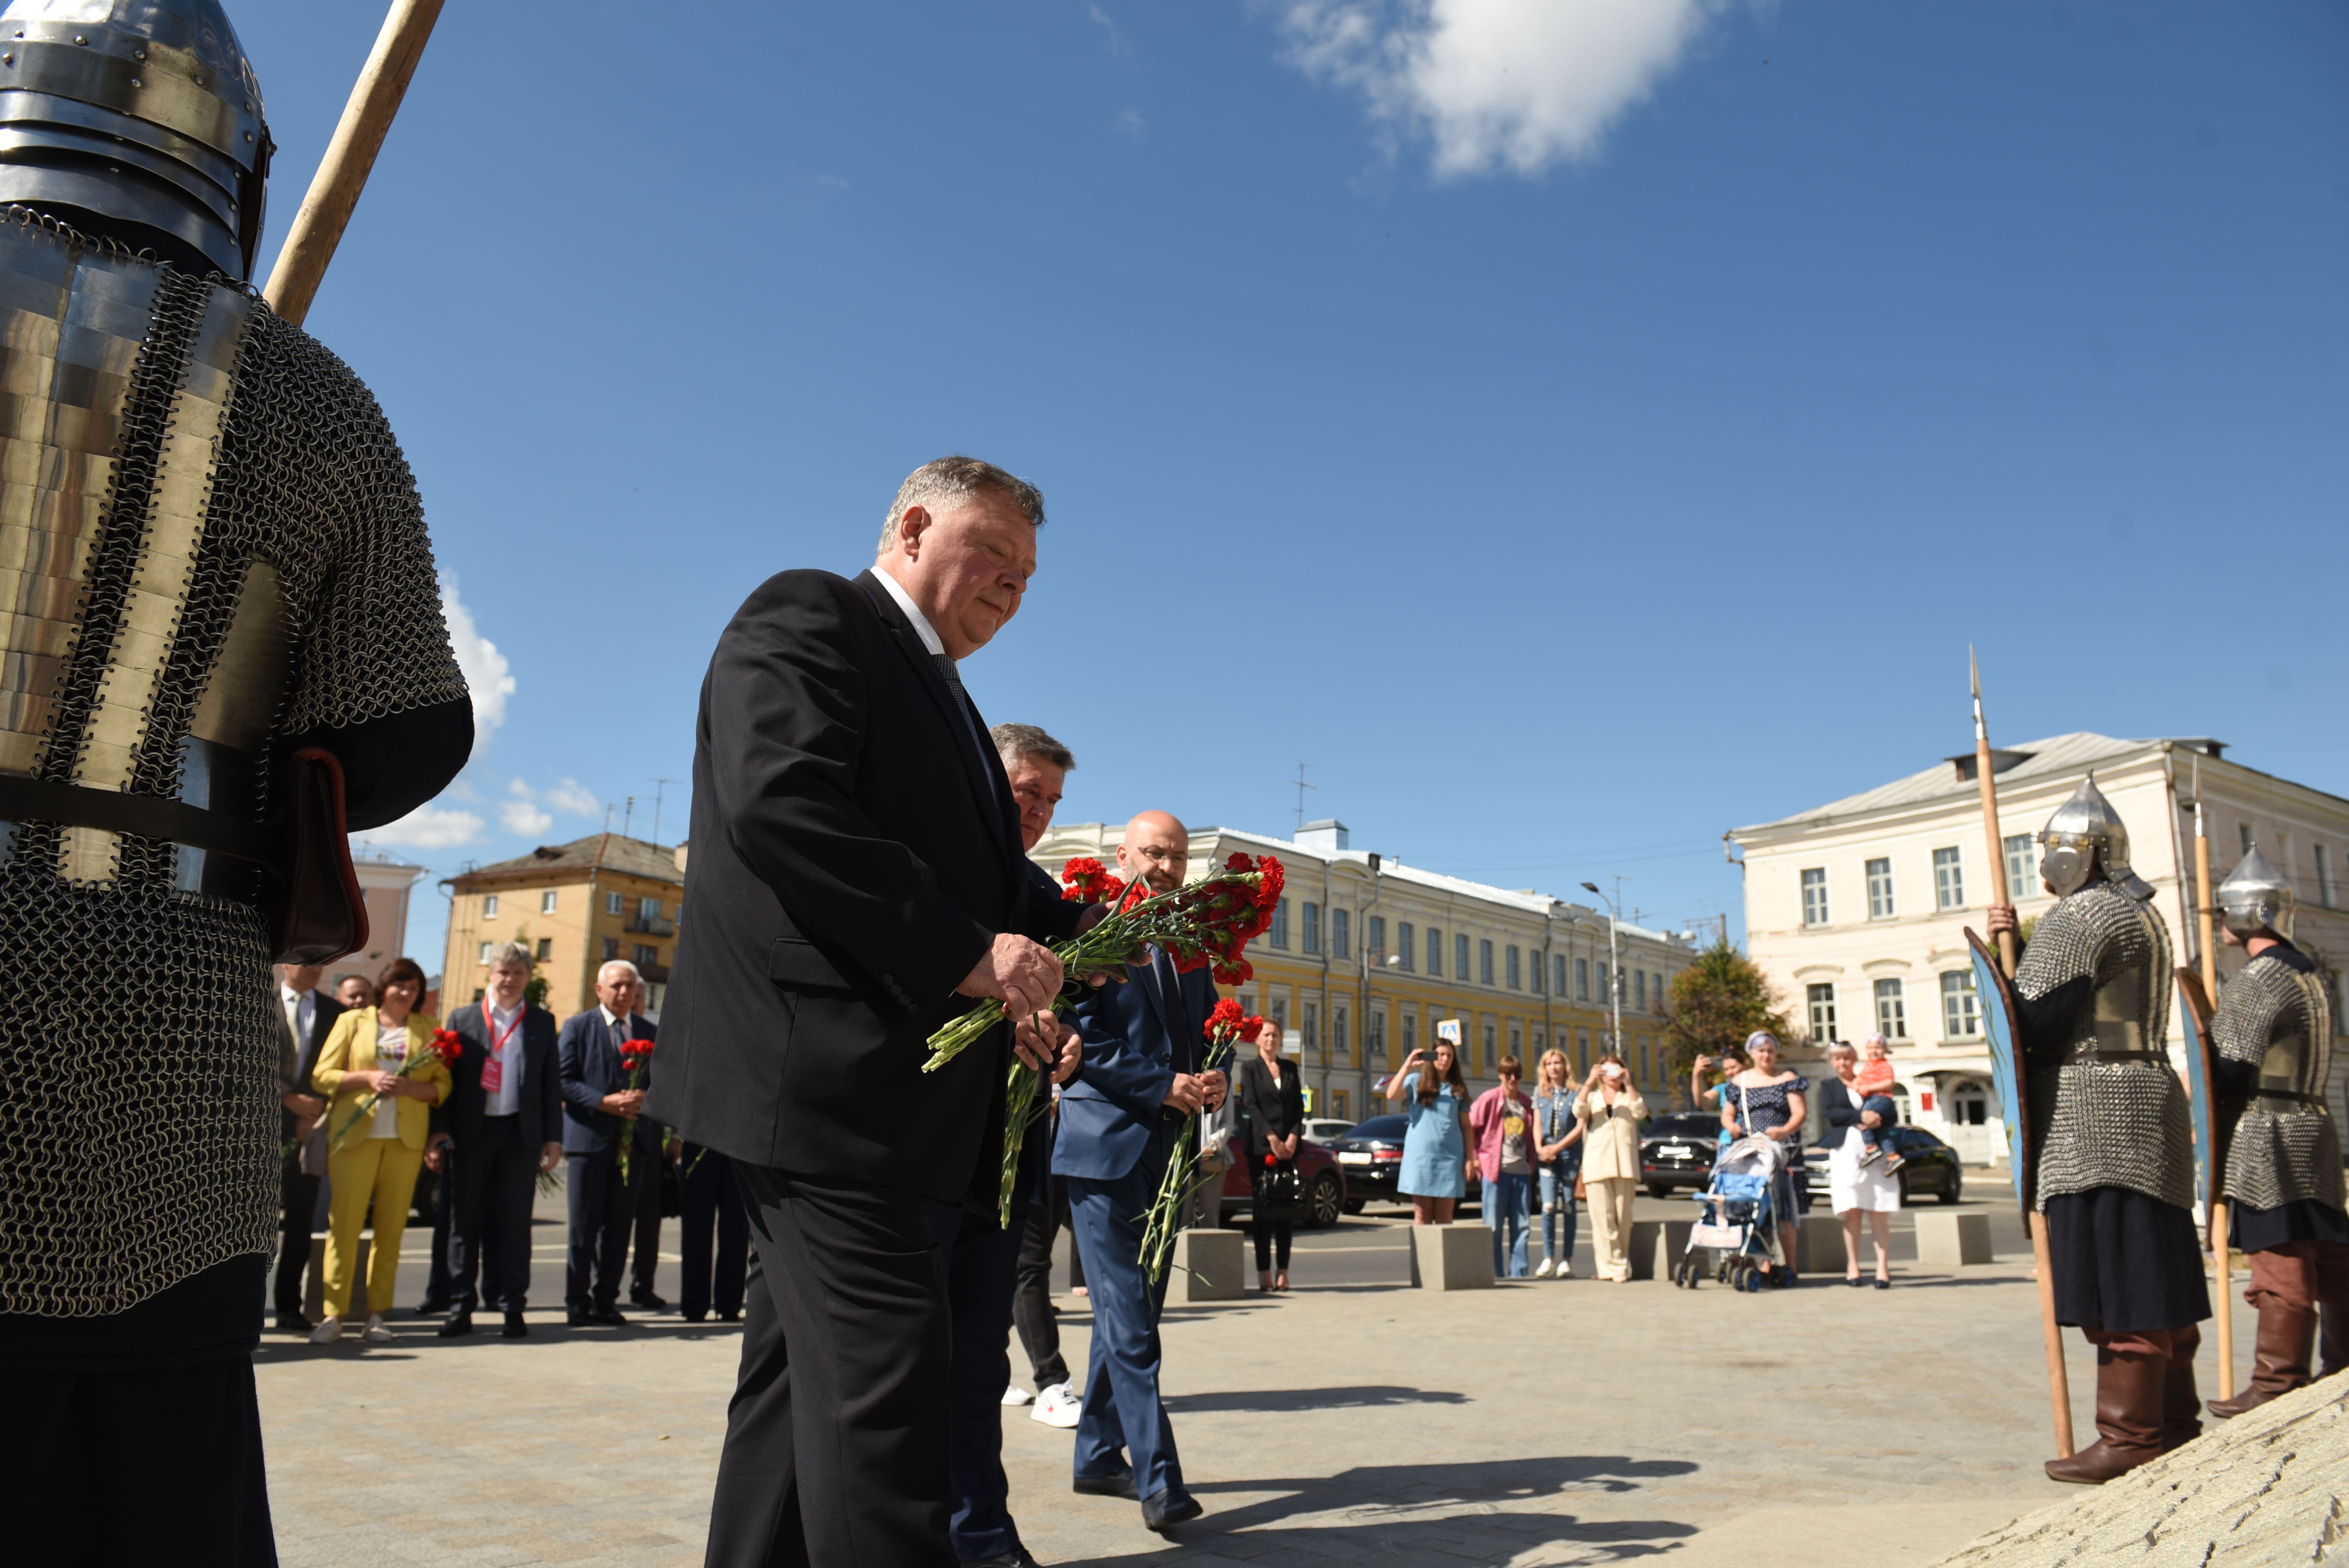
column 986, row 763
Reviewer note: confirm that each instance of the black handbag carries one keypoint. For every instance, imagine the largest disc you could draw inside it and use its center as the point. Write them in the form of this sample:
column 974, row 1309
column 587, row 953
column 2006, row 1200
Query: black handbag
column 1279, row 1194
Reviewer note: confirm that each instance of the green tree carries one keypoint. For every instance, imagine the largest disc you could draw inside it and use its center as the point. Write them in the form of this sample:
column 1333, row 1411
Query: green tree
column 1715, row 1004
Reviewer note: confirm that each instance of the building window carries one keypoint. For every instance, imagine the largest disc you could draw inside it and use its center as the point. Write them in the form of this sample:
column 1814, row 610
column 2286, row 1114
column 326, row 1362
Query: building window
column 1312, row 928
column 1646, row 1075
column 545, row 948
column 1961, row 1016
column 1312, row 1035
column 1410, row 1030
column 489, row 907
column 1538, row 975
column 1557, row 965
column 1374, row 939
column 1374, row 1038
column 648, row 909
column 1880, row 889
column 2324, row 894
column 1280, row 1015
column 611, row 904
column 1823, row 1019
column 611, row 948
column 2021, row 865
column 2244, row 835
column 1403, row 950
column 1281, row 926
column 1606, row 996
column 1814, row 896
column 1484, row 962
column 1582, row 979
column 1340, row 939
column 1949, row 879
column 1514, row 973
column 485, row 951
column 1639, row 990
column 646, row 955
column 1436, row 953
column 546, row 901
column 1492, row 1048
column 1460, row 959
column 1337, row 1103
column 1582, row 1051
column 1518, row 1043
column 1891, row 1011
column 1338, row 1034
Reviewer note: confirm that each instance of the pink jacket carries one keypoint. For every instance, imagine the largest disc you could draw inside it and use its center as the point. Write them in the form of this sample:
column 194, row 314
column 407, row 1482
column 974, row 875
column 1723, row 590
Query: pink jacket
column 1485, row 1119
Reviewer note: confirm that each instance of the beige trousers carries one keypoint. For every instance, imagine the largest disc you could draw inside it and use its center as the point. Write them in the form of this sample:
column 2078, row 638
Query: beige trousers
column 1610, row 1224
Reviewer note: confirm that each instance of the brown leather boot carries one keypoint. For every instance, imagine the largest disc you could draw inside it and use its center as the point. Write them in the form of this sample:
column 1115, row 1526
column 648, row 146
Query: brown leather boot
column 2280, row 1362
column 2182, row 1411
column 2332, row 1342
column 2129, row 1389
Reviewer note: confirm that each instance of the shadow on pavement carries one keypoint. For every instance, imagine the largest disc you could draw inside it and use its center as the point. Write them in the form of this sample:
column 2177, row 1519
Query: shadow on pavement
column 1310, row 1399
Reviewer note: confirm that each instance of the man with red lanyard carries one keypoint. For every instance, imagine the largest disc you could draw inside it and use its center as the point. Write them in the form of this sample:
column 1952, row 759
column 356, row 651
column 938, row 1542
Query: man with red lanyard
column 500, row 1127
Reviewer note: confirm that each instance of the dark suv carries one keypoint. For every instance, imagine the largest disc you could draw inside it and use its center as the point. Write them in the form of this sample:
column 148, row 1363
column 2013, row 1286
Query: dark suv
column 1677, row 1150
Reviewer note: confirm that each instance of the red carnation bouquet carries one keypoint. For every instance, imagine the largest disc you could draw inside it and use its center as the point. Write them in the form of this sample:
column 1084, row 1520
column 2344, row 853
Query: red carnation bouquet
column 636, row 1056
column 1090, row 882
column 1226, row 1027
column 444, row 1047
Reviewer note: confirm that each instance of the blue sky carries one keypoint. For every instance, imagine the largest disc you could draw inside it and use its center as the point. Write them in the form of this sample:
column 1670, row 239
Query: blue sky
column 1571, row 430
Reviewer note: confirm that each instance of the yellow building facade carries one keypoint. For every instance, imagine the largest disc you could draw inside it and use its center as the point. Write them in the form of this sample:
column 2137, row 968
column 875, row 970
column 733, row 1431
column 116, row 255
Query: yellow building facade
column 575, row 906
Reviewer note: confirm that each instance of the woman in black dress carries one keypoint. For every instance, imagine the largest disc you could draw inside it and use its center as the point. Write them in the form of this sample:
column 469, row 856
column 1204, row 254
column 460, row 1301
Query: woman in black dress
column 1273, row 1099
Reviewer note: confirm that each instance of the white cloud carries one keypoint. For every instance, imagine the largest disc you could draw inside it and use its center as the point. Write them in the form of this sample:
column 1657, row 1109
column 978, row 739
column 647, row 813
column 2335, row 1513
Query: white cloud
column 487, row 673
column 522, row 816
column 1117, row 44
column 575, row 797
column 1495, row 84
column 1129, row 122
column 427, row 828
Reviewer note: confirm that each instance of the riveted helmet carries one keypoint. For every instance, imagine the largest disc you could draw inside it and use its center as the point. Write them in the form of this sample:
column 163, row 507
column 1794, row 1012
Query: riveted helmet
column 143, row 113
column 2084, row 836
column 2256, row 897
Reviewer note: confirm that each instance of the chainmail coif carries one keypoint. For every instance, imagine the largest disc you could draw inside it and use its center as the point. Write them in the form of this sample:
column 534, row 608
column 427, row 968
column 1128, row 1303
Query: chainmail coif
column 2106, row 1124
column 166, row 435
column 2281, row 1152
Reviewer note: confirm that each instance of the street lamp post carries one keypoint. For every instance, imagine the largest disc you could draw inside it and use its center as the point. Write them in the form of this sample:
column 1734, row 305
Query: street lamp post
column 1614, row 971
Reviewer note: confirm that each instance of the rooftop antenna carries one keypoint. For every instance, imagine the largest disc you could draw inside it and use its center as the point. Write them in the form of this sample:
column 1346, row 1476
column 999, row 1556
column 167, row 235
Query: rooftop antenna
column 660, row 788
column 628, row 815
column 609, row 810
column 1301, row 786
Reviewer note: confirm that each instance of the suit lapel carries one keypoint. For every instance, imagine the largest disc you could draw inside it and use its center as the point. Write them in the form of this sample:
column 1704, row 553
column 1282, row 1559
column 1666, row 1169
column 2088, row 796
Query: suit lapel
column 993, row 805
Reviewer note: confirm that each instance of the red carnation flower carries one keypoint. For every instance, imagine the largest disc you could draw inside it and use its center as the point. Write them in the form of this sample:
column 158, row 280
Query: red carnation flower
column 447, row 1045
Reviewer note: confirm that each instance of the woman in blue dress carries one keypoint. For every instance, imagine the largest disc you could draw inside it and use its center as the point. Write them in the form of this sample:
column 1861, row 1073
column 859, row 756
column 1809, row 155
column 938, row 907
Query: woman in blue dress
column 1766, row 1102
column 1436, row 1159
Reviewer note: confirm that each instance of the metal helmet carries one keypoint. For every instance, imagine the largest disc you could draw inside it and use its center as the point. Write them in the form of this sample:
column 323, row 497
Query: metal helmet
column 2256, row 897
column 144, row 112
column 2087, row 835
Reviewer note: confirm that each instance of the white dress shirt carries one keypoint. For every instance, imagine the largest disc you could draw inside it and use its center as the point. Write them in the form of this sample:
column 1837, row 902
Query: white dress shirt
column 506, row 1098
column 922, row 627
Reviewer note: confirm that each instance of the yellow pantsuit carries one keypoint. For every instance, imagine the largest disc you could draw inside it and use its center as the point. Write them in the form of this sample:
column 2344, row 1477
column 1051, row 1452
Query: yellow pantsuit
column 363, row 1168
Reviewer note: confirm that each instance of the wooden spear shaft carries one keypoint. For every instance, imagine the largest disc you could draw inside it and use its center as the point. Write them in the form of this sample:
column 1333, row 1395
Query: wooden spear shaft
column 2220, row 1253
column 334, row 191
column 2059, row 1382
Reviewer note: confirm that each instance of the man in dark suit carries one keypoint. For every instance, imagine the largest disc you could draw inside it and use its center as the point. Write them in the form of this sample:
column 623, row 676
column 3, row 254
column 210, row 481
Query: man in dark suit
column 1119, row 1122
column 856, row 883
column 504, row 1116
column 599, row 1111
column 309, row 1012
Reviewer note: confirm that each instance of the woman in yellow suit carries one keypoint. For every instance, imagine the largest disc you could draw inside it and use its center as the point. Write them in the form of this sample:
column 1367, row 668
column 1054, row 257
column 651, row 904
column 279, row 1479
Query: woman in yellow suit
column 379, row 1156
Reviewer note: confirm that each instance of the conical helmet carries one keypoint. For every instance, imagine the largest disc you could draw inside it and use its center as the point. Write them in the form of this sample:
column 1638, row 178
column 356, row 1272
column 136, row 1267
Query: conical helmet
column 2256, row 897
column 2087, row 835
column 142, row 112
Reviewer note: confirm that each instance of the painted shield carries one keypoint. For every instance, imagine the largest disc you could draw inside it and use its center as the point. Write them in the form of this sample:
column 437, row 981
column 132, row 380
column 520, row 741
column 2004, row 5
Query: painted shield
column 2210, row 1154
column 1999, row 1015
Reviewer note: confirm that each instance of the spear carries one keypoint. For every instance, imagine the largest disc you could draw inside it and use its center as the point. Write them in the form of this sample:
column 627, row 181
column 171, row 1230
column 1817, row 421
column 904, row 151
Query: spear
column 2059, row 1387
column 334, row 191
column 2204, row 898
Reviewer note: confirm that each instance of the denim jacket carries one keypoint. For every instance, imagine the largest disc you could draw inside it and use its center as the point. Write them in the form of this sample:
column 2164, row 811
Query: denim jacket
column 1553, row 1120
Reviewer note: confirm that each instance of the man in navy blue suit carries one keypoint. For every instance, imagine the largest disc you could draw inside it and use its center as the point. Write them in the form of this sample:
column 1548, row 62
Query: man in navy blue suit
column 1119, row 1120
column 598, row 1110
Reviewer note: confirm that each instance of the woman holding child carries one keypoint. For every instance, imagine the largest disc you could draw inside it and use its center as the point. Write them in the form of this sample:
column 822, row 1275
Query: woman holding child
column 1856, row 1186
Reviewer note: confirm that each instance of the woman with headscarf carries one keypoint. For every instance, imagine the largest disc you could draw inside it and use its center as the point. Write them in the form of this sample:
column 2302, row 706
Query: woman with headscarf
column 1764, row 1103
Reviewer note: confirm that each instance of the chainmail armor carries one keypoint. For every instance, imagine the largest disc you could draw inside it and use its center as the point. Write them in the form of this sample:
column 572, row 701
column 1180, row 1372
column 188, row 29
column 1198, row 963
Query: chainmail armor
column 2106, row 1124
column 139, row 1046
column 2281, row 1152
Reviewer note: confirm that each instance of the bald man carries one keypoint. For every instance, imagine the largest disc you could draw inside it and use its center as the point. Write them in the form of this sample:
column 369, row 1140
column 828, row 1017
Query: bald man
column 1120, row 1118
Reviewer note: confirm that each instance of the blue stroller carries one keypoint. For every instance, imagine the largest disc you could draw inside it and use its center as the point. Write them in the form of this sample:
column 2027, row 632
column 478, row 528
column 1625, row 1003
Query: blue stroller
column 1740, row 1227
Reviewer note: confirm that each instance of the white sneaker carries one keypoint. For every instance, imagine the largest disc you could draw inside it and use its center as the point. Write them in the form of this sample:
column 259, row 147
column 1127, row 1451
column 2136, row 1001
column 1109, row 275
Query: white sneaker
column 327, row 1332
column 1016, row 1395
column 377, row 1334
column 1056, row 1406
column 1565, row 1269
column 1546, row 1268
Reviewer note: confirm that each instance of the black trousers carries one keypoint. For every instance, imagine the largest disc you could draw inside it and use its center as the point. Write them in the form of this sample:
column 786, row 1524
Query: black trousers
column 646, row 1260
column 601, row 1208
column 299, row 1195
column 836, row 1439
column 981, row 1262
column 1031, row 1298
column 433, row 1190
column 711, row 1202
column 495, row 1178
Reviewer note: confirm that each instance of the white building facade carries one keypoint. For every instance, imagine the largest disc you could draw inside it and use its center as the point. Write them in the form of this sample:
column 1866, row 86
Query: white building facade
column 1856, row 910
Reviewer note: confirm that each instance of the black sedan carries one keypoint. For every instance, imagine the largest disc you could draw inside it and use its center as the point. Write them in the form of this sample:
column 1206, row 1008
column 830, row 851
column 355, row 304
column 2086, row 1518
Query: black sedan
column 1370, row 1153
column 1676, row 1150
column 1929, row 1165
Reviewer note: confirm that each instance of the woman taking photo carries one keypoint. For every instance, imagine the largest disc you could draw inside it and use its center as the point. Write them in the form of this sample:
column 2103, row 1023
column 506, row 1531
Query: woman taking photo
column 378, row 1155
column 1855, row 1189
column 1273, row 1099
column 1435, row 1162
column 1610, row 1111
column 1763, row 1101
column 1558, row 1155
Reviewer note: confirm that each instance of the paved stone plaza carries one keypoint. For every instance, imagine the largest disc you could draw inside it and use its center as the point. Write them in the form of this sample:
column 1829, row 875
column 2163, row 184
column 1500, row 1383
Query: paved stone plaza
column 1534, row 1423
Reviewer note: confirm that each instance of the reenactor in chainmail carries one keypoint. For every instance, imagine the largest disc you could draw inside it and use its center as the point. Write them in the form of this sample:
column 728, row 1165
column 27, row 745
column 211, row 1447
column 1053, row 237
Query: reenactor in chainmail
column 220, row 647
column 2112, row 1138
column 2270, row 1037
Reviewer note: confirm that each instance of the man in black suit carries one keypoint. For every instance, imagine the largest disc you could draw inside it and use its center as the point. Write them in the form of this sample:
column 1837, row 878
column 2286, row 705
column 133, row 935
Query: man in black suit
column 504, row 1116
column 857, row 881
column 600, row 1110
column 309, row 1012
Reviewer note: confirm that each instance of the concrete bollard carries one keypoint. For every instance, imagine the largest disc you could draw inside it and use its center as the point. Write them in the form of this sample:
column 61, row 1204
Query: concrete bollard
column 1458, row 1256
column 1208, row 1266
column 1818, row 1245
column 1950, row 1240
column 313, row 1283
column 1665, row 1247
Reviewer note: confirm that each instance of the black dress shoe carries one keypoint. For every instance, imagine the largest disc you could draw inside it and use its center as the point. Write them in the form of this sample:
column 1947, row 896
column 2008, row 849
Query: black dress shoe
column 459, row 1323
column 293, row 1323
column 1118, row 1485
column 609, row 1317
column 697, row 1316
column 515, row 1327
column 431, row 1307
column 647, row 1300
column 1168, row 1510
column 1016, row 1558
column 578, row 1316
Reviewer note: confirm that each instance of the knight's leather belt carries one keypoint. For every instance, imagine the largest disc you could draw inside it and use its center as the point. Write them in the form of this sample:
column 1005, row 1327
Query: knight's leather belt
column 2087, row 1052
column 147, row 816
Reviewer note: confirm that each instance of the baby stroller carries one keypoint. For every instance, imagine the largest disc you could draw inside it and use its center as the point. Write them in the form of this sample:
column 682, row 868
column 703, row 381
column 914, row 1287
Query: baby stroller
column 1740, row 1226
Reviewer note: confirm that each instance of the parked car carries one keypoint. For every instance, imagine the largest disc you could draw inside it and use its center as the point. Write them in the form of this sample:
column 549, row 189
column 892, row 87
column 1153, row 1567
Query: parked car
column 1370, row 1153
column 1324, row 1181
column 1325, row 1128
column 1677, row 1150
column 1932, row 1166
